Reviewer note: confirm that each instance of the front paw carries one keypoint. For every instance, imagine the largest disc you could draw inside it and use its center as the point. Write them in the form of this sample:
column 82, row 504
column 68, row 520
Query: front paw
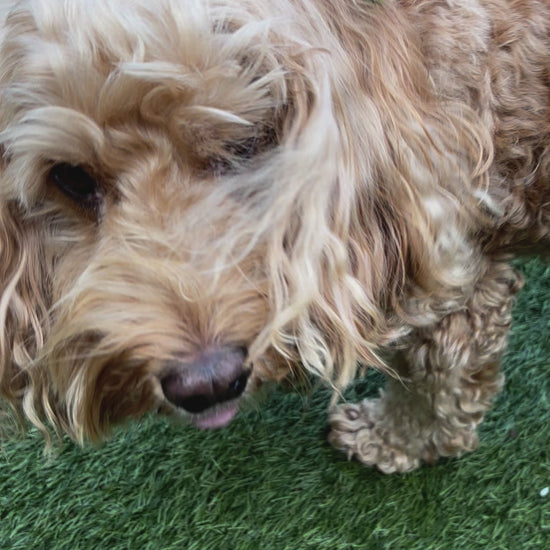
column 359, row 430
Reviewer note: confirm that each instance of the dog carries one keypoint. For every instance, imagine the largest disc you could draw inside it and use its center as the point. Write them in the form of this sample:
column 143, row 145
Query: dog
column 199, row 198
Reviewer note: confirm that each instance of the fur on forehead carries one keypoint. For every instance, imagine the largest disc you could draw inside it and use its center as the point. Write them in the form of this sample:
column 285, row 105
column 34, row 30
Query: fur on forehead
column 205, row 76
column 229, row 64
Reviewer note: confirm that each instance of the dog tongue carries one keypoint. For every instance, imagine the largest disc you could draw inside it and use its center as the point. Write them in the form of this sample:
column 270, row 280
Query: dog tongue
column 216, row 419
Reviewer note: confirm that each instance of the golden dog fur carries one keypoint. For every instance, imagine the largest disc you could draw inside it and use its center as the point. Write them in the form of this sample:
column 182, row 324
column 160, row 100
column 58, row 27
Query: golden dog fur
column 323, row 184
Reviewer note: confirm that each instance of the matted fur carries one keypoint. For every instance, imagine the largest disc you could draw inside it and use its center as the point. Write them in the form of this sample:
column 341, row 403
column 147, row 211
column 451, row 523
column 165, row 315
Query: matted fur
column 328, row 183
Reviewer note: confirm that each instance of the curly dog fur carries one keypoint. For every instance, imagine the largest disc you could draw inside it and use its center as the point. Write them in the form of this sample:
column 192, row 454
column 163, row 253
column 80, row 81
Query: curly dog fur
column 201, row 196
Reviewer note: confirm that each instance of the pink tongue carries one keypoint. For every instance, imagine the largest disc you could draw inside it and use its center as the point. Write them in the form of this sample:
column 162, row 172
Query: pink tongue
column 217, row 419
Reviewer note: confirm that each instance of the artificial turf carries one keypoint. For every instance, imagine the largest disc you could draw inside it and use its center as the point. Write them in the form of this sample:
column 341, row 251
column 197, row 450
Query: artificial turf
column 270, row 481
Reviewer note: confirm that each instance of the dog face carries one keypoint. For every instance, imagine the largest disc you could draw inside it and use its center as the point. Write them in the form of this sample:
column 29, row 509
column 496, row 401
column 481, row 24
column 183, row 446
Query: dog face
column 145, row 151
column 188, row 208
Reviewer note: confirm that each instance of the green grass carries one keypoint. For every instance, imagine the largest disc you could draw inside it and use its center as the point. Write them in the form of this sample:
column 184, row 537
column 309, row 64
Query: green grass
column 270, row 481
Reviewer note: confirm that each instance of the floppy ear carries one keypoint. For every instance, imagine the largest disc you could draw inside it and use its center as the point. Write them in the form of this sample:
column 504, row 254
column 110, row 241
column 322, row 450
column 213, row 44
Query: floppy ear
column 376, row 241
column 23, row 291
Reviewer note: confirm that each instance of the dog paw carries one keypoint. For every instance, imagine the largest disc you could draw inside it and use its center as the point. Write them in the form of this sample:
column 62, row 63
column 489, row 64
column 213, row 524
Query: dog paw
column 360, row 432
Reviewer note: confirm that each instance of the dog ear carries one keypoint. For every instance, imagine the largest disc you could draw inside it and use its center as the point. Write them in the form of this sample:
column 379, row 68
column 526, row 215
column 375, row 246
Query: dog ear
column 376, row 239
column 23, row 309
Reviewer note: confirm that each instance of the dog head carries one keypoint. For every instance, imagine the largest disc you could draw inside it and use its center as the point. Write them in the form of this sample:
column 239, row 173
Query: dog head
column 188, row 206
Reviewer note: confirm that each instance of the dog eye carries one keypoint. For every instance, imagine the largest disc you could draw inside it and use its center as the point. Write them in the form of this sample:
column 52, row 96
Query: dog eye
column 239, row 154
column 77, row 184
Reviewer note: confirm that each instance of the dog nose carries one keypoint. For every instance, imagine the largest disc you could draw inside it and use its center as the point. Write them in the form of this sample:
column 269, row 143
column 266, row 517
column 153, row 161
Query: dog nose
column 213, row 377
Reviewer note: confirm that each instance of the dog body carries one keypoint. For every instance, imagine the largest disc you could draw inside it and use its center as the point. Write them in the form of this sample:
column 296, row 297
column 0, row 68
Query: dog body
column 199, row 197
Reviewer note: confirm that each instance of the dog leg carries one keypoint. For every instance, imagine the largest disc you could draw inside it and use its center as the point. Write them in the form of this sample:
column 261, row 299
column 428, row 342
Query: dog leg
column 450, row 376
